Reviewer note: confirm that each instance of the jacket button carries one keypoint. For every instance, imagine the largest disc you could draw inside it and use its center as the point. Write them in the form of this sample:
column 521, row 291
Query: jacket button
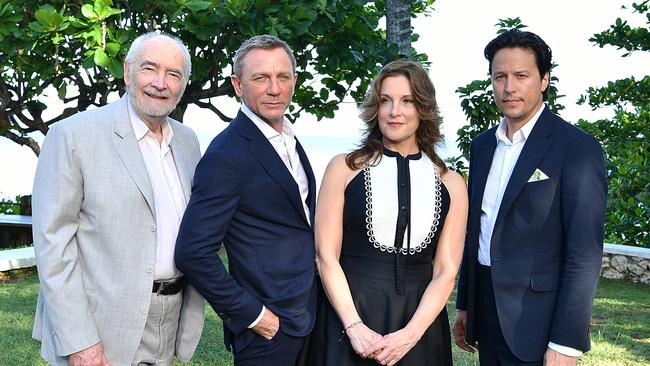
column 152, row 228
column 148, row 268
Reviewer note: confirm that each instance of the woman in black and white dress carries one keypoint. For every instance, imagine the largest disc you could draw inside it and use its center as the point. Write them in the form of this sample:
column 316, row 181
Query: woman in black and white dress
column 390, row 224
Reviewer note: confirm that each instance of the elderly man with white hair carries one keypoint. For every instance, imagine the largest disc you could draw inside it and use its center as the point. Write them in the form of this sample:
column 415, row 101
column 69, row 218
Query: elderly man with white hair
column 110, row 190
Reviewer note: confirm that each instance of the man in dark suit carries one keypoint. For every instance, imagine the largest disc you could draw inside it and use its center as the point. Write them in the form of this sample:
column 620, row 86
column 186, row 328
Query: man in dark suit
column 254, row 191
column 537, row 191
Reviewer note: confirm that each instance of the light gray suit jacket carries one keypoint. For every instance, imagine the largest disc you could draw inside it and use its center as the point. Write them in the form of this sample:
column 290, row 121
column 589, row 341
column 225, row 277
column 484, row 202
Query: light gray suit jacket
column 95, row 237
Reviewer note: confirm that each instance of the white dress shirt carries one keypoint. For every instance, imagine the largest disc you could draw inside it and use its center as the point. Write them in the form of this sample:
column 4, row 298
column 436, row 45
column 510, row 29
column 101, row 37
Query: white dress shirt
column 505, row 157
column 503, row 162
column 285, row 145
column 169, row 199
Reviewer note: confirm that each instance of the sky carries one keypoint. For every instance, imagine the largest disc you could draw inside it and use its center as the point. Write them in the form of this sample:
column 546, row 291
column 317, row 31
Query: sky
column 453, row 36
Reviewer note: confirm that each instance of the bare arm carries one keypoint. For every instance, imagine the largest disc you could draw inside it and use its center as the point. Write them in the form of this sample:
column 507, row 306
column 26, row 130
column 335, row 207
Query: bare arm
column 329, row 234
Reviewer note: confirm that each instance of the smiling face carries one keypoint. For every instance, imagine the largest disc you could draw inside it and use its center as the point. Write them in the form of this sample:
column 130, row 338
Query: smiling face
column 398, row 116
column 517, row 85
column 155, row 82
column 266, row 84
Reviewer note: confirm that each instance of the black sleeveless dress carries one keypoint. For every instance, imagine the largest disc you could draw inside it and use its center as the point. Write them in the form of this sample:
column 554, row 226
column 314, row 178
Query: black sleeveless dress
column 393, row 215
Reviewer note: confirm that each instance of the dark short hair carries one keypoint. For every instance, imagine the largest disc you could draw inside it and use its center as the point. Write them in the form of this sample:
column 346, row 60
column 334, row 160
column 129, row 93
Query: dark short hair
column 515, row 38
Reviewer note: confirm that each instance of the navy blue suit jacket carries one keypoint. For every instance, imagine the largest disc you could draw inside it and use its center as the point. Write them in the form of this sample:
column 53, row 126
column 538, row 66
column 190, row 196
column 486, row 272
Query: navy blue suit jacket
column 546, row 248
column 244, row 197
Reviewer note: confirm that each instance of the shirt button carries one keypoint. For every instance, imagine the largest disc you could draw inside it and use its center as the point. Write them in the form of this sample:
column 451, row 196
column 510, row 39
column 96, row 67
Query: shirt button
column 403, row 208
column 403, row 184
column 143, row 309
column 152, row 228
column 148, row 268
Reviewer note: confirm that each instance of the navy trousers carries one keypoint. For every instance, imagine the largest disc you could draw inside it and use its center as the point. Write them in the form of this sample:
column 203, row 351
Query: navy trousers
column 281, row 350
column 492, row 347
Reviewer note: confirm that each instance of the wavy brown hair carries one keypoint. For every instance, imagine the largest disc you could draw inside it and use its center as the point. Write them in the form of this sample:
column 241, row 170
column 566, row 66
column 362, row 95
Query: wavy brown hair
column 428, row 133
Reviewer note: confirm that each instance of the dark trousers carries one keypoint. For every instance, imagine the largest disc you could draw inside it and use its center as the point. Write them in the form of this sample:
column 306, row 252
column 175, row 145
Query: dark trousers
column 492, row 347
column 282, row 350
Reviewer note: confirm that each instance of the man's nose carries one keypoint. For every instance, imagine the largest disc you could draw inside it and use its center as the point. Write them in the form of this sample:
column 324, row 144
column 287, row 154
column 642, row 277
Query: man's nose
column 273, row 87
column 158, row 81
column 508, row 86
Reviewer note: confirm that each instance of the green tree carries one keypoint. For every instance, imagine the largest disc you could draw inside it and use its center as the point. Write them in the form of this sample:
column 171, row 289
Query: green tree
column 625, row 137
column 477, row 102
column 78, row 47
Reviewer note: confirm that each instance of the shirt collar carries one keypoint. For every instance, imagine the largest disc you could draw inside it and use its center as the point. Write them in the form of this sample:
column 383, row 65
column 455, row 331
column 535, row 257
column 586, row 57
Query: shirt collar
column 394, row 154
column 268, row 131
column 524, row 131
column 141, row 129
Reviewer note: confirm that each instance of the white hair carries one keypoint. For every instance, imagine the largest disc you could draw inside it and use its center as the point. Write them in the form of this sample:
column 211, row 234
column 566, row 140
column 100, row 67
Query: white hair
column 136, row 47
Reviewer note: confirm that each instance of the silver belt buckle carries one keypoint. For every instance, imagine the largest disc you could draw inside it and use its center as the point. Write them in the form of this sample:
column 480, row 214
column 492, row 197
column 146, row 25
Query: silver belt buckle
column 162, row 286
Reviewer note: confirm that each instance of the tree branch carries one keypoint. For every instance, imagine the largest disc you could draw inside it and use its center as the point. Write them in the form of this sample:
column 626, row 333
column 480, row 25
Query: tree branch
column 214, row 109
column 20, row 140
column 213, row 91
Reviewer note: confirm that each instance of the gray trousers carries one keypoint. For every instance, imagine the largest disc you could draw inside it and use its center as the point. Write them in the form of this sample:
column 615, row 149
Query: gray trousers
column 158, row 343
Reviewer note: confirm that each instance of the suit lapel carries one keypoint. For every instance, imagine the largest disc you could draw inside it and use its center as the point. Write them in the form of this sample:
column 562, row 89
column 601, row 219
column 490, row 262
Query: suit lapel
column 481, row 163
column 128, row 151
column 263, row 151
column 311, row 197
column 537, row 144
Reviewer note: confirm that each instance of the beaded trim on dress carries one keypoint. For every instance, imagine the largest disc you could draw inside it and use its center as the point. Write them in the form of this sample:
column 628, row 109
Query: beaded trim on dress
column 369, row 215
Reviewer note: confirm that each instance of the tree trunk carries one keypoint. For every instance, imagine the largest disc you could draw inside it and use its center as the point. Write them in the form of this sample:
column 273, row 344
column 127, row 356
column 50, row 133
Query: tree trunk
column 398, row 26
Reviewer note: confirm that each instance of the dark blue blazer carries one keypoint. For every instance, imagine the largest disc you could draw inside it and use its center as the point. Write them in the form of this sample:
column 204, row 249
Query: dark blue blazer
column 244, row 197
column 546, row 248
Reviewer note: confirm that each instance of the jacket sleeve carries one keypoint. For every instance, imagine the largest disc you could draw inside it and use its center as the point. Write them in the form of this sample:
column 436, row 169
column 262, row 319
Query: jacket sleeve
column 57, row 198
column 584, row 194
column 461, row 291
column 214, row 200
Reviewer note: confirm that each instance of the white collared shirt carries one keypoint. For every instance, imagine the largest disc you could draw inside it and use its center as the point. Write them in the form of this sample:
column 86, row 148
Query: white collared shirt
column 503, row 162
column 285, row 145
column 168, row 196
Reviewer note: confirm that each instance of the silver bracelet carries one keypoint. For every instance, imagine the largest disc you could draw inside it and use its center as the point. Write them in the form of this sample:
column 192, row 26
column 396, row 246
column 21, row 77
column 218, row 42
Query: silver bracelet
column 354, row 324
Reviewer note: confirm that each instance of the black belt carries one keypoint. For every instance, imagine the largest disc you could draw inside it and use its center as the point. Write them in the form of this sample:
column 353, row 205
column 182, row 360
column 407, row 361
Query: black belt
column 168, row 287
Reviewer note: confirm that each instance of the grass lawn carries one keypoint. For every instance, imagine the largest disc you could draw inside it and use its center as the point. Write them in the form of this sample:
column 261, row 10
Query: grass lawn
column 620, row 332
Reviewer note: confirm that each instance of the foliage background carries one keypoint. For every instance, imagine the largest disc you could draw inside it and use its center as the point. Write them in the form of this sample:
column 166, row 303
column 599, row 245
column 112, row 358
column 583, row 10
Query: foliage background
column 78, row 47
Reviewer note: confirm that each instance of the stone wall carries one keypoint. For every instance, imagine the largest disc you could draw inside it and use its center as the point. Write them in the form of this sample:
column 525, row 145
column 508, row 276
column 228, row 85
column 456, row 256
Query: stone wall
column 626, row 263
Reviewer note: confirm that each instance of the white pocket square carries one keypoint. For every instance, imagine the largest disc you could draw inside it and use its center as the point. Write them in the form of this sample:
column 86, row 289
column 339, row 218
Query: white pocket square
column 537, row 176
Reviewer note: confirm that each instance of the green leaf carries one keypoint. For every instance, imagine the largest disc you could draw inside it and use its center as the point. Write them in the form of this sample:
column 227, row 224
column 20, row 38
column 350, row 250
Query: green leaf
column 35, row 26
column 57, row 39
column 113, row 48
column 88, row 62
column 122, row 36
column 88, row 11
column 44, row 13
column 100, row 58
column 61, row 92
column 197, row 5
column 48, row 17
column 5, row 8
column 116, row 68
column 107, row 12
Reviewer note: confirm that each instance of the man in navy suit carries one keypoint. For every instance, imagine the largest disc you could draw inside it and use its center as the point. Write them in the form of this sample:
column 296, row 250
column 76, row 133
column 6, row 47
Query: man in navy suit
column 254, row 191
column 537, row 191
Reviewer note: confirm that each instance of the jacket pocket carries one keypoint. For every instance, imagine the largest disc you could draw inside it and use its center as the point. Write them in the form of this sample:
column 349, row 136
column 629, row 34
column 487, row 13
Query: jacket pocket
column 544, row 281
column 92, row 297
